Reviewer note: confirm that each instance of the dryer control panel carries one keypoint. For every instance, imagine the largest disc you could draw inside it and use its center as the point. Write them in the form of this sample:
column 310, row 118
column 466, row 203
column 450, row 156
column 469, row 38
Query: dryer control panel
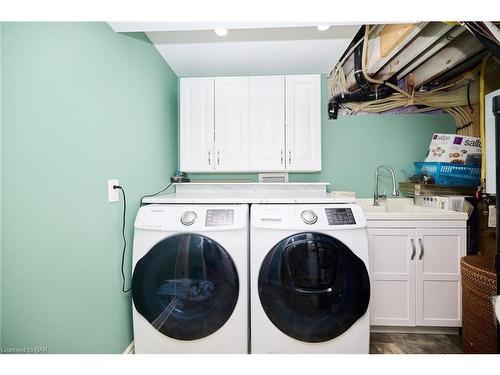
column 339, row 216
column 192, row 218
column 218, row 217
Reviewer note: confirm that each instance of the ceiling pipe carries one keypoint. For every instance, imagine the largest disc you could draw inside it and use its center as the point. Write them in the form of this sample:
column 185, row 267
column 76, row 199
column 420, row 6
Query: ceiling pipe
column 365, row 92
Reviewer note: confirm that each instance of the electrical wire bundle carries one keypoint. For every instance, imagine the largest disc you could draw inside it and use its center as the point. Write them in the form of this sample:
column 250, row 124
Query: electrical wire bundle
column 452, row 98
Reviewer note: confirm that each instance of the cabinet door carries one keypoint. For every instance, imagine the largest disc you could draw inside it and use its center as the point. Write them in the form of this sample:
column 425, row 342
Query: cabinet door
column 232, row 131
column 197, row 124
column 267, row 123
column 439, row 296
column 303, row 123
column 392, row 271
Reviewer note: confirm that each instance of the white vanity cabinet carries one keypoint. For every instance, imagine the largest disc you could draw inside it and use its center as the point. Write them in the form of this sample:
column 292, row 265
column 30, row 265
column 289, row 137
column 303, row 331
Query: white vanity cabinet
column 415, row 273
column 250, row 124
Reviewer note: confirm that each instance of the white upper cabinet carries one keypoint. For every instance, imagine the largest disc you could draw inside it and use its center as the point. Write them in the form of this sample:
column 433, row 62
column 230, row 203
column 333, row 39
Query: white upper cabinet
column 250, row 124
column 197, row 124
column 303, row 123
column 232, row 131
column 267, row 123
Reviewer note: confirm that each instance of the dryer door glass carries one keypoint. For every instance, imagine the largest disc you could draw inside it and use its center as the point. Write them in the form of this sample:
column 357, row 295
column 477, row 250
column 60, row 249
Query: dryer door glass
column 186, row 286
column 313, row 287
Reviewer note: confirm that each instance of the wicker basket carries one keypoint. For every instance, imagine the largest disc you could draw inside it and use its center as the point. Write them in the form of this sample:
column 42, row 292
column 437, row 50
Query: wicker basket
column 478, row 314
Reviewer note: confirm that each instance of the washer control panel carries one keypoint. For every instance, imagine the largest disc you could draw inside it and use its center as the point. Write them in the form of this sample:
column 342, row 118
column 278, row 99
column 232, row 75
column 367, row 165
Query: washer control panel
column 306, row 217
column 219, row 217
column 339, row 216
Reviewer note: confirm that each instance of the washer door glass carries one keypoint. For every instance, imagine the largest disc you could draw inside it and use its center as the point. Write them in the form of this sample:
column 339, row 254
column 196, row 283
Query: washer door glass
column 313, row 287
column 186, row 286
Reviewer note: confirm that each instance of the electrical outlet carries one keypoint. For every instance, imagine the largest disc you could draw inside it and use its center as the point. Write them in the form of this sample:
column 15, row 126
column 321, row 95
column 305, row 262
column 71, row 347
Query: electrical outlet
column 113, row 194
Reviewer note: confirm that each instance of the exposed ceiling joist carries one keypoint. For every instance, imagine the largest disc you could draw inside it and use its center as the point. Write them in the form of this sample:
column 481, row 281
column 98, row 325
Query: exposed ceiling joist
column 426, row 38
column 463, row 47
column 379, row 47
column 436, row 47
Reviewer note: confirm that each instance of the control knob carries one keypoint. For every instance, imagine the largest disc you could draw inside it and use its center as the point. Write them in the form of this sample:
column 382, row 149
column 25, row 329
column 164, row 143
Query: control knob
column 188, row 218
column 309, row 217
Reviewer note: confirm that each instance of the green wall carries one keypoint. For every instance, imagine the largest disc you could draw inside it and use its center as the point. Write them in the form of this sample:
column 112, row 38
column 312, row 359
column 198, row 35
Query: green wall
column 80, row 104
column 353, row 146
column 1, row 25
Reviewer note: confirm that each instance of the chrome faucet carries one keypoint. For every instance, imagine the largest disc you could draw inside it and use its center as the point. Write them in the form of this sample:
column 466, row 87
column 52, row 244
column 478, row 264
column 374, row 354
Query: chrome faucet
column 395, row 191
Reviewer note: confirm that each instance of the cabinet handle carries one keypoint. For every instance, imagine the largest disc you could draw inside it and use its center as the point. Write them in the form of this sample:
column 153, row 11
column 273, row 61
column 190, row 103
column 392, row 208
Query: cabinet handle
column 209, row 161
column 289, row 156
column 421, row 249
column 281, row 162
column 218, row 157
column 413, row 248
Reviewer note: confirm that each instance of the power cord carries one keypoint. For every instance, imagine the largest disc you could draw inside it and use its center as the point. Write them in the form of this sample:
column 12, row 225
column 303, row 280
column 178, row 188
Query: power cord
column 123, row 236
column 155, row 194
column 123, row 228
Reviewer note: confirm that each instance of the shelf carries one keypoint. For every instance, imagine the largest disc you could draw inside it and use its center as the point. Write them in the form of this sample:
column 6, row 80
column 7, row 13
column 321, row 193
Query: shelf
column 411, row 189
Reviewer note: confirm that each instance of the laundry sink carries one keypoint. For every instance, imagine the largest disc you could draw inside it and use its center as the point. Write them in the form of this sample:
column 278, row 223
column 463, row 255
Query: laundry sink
column 398, row 209
column 372, row 208
column 405, row 209
column 401, row 205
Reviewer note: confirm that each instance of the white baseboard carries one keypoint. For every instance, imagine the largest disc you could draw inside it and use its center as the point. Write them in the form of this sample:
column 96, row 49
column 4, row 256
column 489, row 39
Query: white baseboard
column 130, row 349
column 427, row 330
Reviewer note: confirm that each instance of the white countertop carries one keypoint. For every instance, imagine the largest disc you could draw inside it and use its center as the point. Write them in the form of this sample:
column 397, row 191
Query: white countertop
column 249, row 192
column 252, row 184
column 391, row 209
column 174, row 199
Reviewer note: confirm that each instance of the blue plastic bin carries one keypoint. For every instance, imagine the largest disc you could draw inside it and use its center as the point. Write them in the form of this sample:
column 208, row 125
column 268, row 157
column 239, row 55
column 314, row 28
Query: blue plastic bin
column 450, row 173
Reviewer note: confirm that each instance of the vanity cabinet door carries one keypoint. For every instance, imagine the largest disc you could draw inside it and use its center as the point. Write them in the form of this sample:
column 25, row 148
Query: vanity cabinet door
column 392, row 272
column 439, row 295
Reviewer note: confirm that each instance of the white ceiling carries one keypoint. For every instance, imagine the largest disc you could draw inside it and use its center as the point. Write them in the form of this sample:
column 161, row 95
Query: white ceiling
column 248, row 49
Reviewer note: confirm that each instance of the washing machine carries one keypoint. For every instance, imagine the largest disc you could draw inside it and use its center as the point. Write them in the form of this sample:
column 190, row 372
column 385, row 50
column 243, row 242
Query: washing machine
column 190, row 279
column 310, row 287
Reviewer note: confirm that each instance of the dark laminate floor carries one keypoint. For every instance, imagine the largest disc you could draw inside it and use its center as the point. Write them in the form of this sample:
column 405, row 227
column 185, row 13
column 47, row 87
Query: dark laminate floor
column 413, row 343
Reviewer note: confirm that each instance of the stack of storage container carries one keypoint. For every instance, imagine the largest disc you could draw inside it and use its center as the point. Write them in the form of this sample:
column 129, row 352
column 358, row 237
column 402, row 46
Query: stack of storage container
column 452, row 160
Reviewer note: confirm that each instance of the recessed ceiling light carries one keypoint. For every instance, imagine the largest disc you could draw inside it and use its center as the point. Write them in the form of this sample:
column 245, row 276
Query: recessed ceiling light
column 221, row 32
column 323, row 27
